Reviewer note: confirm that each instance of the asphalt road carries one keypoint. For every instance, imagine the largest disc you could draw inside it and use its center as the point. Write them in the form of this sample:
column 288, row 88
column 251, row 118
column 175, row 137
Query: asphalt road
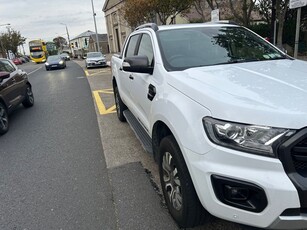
column 53, row 171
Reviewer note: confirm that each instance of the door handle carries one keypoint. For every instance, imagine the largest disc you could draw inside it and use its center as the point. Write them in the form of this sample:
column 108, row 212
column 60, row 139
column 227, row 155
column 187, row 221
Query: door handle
column 131, row 77
column 151, row 92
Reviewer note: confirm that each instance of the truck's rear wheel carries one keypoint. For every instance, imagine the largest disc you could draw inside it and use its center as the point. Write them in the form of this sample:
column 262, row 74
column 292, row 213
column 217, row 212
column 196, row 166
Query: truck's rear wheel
column 120, row 106
column 178, row 190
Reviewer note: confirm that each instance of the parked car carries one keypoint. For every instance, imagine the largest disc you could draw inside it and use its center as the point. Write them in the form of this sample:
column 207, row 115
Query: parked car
column 65, row 56
column 15, row 88
column 224, row 113
column 23, row 60
column 26, row 58
column 17, row 61
column 55, row 62
column 95, row 59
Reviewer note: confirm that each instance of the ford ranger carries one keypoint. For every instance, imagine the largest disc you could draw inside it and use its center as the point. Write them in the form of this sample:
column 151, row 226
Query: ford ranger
column 224, row 113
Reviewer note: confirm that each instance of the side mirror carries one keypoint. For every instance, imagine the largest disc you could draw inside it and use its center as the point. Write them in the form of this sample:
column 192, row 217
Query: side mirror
column 4, row 75
column 138, row 64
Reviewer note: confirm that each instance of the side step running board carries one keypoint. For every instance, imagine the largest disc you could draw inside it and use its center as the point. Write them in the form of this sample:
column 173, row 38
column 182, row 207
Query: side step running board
column 139, row 131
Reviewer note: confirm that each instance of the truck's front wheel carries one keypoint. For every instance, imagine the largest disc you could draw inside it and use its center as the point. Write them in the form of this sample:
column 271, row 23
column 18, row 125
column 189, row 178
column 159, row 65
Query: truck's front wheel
column 177, row 186
column 120, row 106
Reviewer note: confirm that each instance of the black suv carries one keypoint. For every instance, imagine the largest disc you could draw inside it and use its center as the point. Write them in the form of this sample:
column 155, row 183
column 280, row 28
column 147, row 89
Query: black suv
column 14, row 89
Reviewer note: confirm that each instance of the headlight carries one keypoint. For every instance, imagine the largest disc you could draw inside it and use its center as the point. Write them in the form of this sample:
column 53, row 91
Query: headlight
column 244, row 137
column 43, row 60
column 46, row 63
column 61, row 62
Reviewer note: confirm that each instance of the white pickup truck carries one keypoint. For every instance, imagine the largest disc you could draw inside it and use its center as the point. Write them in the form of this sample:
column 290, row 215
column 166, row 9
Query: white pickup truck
column 224, row 113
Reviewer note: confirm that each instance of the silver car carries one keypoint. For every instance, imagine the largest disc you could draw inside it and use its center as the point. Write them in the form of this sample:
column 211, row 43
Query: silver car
column 94, row 59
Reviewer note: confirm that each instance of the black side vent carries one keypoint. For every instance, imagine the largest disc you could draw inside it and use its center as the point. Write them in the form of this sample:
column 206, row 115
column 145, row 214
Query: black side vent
column 299, row 156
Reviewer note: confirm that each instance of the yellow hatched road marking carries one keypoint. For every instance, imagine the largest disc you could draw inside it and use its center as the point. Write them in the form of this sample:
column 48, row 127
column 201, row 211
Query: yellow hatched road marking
column 86, row 73
column 101, row 107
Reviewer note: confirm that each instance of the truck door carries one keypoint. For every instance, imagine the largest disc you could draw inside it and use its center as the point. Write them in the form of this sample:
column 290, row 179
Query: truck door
column 143, row 84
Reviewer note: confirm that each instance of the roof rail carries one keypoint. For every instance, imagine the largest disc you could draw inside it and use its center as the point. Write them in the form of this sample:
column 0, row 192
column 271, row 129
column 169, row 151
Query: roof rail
column 148, row 25
column 224, row 22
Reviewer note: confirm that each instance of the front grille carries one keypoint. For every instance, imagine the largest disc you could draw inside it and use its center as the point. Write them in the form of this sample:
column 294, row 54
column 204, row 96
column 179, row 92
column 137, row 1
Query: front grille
column 299, row 157
column 293, row 155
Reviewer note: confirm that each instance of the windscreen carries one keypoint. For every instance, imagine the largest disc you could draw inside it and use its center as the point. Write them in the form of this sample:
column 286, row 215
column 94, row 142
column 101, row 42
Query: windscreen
column 90, row 55
column 38, row 54
column 204, row 46
column 54, row 58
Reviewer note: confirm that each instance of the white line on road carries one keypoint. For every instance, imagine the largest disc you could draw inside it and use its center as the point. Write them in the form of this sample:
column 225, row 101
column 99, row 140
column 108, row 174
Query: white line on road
column 34, row 70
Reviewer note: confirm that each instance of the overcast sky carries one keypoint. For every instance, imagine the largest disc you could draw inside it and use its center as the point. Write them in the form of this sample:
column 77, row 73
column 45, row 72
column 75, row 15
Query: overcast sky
column 41, row 18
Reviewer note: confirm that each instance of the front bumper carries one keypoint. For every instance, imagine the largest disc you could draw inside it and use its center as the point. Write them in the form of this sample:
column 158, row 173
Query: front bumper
column 267, row 173
column 288, row 221
column 55, row 66
column 96, row 64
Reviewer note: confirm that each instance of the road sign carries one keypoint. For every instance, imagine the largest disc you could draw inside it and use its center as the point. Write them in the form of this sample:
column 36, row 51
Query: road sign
column 215, row 15
column 297, row 3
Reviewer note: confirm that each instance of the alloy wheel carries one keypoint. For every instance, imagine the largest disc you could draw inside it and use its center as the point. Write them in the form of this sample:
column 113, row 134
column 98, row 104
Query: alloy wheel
column 30, row 95
column 172, row 181
column 117, row 102
column 3, row 119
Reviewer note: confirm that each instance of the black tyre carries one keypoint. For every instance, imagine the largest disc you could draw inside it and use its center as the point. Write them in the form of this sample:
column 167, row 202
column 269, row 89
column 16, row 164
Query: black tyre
column 178, row 189
column 120, row 106
column 4, row 119
column 29, row 98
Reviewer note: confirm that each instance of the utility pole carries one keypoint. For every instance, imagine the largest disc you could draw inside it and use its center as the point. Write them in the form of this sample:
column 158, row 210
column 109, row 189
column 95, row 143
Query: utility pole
column 94, row 15
column 69, row 45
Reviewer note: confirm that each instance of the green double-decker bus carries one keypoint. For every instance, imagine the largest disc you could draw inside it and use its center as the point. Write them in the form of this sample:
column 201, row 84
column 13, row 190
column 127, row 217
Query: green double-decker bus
column 51, row 48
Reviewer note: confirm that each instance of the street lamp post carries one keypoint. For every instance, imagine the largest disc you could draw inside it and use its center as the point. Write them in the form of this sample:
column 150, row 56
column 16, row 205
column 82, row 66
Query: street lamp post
column 94, row 15
column 72, row 52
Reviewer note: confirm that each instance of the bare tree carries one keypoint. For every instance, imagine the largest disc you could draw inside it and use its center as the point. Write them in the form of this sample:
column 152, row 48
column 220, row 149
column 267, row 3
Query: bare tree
column 281, row 10
column 203, row 6
column 242, row 10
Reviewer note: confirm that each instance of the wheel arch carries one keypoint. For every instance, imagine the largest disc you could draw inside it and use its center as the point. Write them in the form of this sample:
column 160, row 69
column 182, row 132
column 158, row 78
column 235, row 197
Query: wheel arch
column 159, row 131
column 3, row 102
column 114, row 83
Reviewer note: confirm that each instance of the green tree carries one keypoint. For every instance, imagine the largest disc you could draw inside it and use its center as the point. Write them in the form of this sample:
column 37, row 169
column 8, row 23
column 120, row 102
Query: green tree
column 10, row 41
column 265, row 10
column 60, row 42
column 137, row 12
column 169, row 9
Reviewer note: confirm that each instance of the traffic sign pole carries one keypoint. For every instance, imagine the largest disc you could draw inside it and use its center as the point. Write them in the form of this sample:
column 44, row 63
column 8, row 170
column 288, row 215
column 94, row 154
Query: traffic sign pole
column 292, row 5
column 297, row 33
